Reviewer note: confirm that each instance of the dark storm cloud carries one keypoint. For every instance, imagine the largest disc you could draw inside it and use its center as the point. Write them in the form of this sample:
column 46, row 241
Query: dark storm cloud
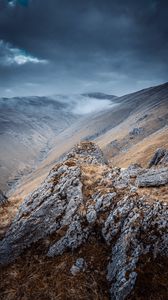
column 111, row 46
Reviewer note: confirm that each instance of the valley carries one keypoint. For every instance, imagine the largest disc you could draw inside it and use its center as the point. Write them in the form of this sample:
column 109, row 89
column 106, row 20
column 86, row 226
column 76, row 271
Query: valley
column 112, row 129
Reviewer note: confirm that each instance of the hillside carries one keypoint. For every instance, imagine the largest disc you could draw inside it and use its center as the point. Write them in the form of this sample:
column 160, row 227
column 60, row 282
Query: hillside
column 29, row 126
column 128, row 132
column 142, row 131
column 90, row 231
column 97, row 219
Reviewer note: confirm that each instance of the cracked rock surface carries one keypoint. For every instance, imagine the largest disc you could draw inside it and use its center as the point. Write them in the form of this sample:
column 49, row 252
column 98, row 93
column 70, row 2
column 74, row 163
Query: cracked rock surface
column 83, row 197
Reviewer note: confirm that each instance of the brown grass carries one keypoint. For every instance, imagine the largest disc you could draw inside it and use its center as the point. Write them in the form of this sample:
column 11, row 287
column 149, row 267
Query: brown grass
column 91, row 176
column 34, row 276
column 155, row 193
column 7, row 213
column 152, row 279
column 142, row 152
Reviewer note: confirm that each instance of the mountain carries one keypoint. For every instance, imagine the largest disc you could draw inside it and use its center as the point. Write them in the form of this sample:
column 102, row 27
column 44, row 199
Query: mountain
column 90, row 221
column 89, row 231
column 29, row 126
column 128, row 131
column 27, row 129
column 143, row 129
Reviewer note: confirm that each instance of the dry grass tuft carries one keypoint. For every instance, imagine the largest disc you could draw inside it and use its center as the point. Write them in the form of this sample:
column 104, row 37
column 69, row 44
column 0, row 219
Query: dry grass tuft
column 70, row 163
column 155, row 193
column 91, row 176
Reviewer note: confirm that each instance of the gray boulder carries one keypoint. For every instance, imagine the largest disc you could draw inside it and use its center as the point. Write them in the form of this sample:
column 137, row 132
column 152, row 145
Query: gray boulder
column 160, row 156
column 136, row 131
column 153, row 177
column 79, row 266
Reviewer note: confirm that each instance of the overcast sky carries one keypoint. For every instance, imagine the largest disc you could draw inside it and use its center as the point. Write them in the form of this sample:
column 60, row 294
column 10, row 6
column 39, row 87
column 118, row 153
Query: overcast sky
column 74, row 46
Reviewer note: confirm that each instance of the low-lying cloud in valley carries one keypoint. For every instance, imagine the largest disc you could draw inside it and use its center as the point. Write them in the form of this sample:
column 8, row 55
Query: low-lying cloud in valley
column 83, row 104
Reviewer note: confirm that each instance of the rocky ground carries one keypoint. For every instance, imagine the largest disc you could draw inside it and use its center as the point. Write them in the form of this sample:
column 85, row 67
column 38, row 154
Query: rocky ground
column 90, row 231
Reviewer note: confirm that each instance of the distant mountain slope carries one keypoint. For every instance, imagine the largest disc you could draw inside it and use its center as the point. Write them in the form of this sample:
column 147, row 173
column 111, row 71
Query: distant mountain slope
column 29, row 126
column 27, row 130
column 100, row 96
column 136, row 118
column 145, row 126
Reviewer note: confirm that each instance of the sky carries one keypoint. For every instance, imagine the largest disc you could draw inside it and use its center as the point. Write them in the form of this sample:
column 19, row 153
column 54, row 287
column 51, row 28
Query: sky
column 76, row 46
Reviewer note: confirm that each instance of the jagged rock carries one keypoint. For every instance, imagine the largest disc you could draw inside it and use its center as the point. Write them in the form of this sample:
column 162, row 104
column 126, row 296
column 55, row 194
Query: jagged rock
column 73, row 238
column 63, row 216
column 41, row 212
column 124, row 178
column 160, row 157
column 103, row 202
column 80, row 265
column 153, row 177
column 164, row 160
column 157, row 157
column 136, row 131
column 3, row 198
column 133, row 170
column 141, row 228
column 121, row 183
column 53, row 207
column 87, row 152
column 91, row 215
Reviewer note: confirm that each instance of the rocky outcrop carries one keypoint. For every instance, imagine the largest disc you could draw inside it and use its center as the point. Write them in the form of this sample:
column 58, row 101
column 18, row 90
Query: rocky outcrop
column 86, row 152
column 82, row 197
column 153, row 177
column 141, row 229
column 3, row 198
column 160, row 157
column 136, row 131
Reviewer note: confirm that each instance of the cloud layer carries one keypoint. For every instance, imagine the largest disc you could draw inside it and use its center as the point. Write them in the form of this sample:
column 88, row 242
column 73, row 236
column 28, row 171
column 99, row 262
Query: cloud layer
column 92, row 45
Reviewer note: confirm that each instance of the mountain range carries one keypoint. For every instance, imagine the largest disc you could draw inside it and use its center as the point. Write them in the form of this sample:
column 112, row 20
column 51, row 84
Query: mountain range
column 128, row 129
